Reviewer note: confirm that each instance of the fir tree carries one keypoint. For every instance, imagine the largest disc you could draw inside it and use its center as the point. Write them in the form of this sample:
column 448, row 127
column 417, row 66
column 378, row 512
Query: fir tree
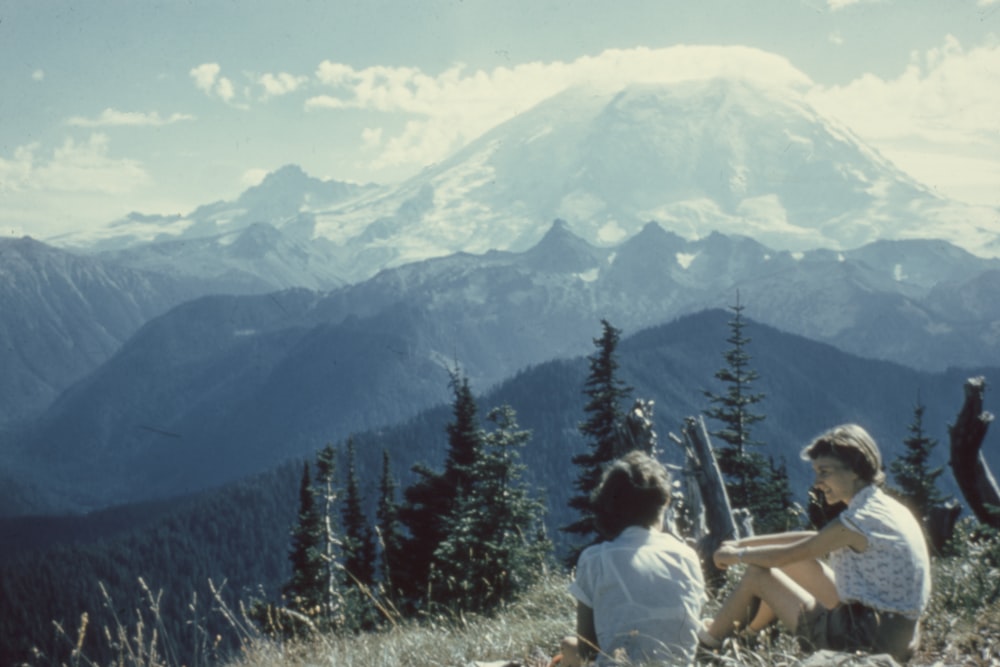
column 911, row 470
column 304, row 591
column 329, row 543
column 495, row 545
column 605, row 393
column 390, row 531
column 433, row 497
column 751, row 481
column 359, row 543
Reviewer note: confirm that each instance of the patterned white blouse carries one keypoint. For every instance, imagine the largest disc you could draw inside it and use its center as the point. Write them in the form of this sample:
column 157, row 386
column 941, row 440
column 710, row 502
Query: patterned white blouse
column 893, row 574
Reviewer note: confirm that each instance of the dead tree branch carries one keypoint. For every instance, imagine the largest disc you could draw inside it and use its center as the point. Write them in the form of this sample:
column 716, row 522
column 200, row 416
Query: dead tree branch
column 967, row 462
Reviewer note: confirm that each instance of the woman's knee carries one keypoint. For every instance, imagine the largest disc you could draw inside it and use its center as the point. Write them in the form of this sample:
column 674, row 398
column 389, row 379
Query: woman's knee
column 757, row 578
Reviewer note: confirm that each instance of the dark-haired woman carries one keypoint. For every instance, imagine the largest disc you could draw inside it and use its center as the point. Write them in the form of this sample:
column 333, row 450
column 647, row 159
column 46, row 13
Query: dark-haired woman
column 639, row 594
column 874, row 582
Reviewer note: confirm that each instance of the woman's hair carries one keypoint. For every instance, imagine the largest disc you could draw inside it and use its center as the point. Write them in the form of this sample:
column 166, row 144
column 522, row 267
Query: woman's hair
column 632, row 492
column 851, row 445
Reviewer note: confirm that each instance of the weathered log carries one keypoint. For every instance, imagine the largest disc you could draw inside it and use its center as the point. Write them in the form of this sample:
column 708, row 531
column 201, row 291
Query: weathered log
column 967, row 462
column 715, row 499
column 636, row 430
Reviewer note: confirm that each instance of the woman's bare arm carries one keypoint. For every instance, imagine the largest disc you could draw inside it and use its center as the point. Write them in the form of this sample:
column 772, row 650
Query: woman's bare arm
column 807, row 546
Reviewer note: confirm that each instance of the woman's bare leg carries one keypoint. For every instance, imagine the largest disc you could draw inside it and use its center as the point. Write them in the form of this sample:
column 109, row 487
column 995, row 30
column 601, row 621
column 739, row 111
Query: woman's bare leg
column 811, row 575
column 784, row 597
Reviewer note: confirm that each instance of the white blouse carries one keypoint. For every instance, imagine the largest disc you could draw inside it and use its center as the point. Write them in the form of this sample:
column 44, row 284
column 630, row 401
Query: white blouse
column 893, row 574
column 647, row 591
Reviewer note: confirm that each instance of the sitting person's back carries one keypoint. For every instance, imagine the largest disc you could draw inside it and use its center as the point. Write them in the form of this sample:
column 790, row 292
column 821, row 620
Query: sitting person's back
column 640, row 594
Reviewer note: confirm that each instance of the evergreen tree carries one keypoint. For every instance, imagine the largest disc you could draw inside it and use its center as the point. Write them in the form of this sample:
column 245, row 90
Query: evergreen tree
column 917, row 481
column 432, row 498
column 329, row 544
column 751, row 481
column 605, row 393
column 389, row 527
column 495, row 546
column 359, row 543
column 304, row 591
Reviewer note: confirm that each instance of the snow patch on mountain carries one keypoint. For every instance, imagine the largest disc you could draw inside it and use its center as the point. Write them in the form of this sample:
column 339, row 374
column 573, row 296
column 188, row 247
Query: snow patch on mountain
column 730, row 154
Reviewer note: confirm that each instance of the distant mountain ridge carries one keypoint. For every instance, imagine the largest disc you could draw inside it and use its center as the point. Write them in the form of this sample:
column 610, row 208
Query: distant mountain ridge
column 65, row 314
column 224, row 386
column 720, row 155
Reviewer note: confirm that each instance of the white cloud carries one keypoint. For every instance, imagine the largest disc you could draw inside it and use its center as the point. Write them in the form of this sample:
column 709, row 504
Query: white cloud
column 938, row 114
column 459, row 104
column 371, row 137
column 112, row 117
column 252, row 177
column 83, row 167
column 207, row 78
column 38, row 75
column 946, row 95
column 205, row 75
column 836, row 5
column 282, row 83
column 987, row 3
column 835, row 38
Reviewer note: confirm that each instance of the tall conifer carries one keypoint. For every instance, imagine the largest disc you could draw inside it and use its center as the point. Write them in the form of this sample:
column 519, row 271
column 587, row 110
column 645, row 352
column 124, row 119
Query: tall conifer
column 495, row 545
column 433, row 497
column 329, row 543
column 605, row 392
column 912, row 472
column 390, row 532
column 752, row 482
column 359, row 543
column 304, row 591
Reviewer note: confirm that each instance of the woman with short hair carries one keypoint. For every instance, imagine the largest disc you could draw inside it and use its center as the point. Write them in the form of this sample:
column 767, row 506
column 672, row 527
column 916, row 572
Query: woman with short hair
column 860, row 583
column 640, row 593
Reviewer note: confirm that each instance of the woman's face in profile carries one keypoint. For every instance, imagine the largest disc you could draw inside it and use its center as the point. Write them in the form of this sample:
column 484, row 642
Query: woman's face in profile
column 837, row 482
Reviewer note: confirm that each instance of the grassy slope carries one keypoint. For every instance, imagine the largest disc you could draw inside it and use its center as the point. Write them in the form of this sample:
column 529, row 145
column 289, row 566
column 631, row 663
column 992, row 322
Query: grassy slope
column 961, row 627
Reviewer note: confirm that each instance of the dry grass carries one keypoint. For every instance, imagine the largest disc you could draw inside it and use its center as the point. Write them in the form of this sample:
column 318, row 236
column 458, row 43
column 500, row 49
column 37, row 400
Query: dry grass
column 962, row 627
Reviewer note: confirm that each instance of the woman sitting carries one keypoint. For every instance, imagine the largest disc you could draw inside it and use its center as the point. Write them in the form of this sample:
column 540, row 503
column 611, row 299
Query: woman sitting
column 870, row 593
column 639, row 595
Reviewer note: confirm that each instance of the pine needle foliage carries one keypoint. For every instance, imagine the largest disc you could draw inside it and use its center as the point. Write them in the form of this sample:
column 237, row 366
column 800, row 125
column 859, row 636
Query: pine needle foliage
column 389, row 530
column 304, row 591
column 605, row 393
column 359, row 542
column 753, row 482
column 434, row 496
column 916, row 479
column 495, row 546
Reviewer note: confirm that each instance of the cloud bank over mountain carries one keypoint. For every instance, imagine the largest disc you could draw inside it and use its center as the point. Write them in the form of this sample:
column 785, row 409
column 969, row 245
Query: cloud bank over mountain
column 172, row 129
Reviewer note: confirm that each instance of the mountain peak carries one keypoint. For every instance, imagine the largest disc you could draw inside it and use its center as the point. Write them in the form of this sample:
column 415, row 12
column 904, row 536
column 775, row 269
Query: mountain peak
column 562, row 251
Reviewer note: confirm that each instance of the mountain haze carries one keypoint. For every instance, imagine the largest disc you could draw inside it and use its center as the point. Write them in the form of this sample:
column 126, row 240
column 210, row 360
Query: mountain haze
column 727, row 155
column 64, row 315
column 226, row 386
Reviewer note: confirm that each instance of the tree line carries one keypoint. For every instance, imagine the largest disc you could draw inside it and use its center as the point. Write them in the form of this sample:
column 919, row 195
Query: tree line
column 468, row 536
column 471, row 536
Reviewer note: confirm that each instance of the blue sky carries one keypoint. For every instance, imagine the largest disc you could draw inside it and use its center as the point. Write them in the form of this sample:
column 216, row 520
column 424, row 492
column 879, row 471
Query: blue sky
column 160, row 106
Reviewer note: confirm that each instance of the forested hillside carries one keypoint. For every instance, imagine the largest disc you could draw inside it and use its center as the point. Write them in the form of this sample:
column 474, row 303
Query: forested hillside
column 240, row 534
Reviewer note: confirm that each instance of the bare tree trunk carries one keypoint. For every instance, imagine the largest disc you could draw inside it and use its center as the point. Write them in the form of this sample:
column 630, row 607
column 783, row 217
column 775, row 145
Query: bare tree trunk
column 715, row 499
column 967, row 462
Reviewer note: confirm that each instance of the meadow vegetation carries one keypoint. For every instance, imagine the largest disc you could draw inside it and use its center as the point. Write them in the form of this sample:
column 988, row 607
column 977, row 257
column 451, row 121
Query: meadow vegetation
column 961, row 627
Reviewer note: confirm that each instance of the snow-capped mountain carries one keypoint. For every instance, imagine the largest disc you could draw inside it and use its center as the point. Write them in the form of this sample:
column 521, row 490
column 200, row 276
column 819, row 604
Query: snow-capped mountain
column 262, row 241
column 725, row 155
column 718, row 155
